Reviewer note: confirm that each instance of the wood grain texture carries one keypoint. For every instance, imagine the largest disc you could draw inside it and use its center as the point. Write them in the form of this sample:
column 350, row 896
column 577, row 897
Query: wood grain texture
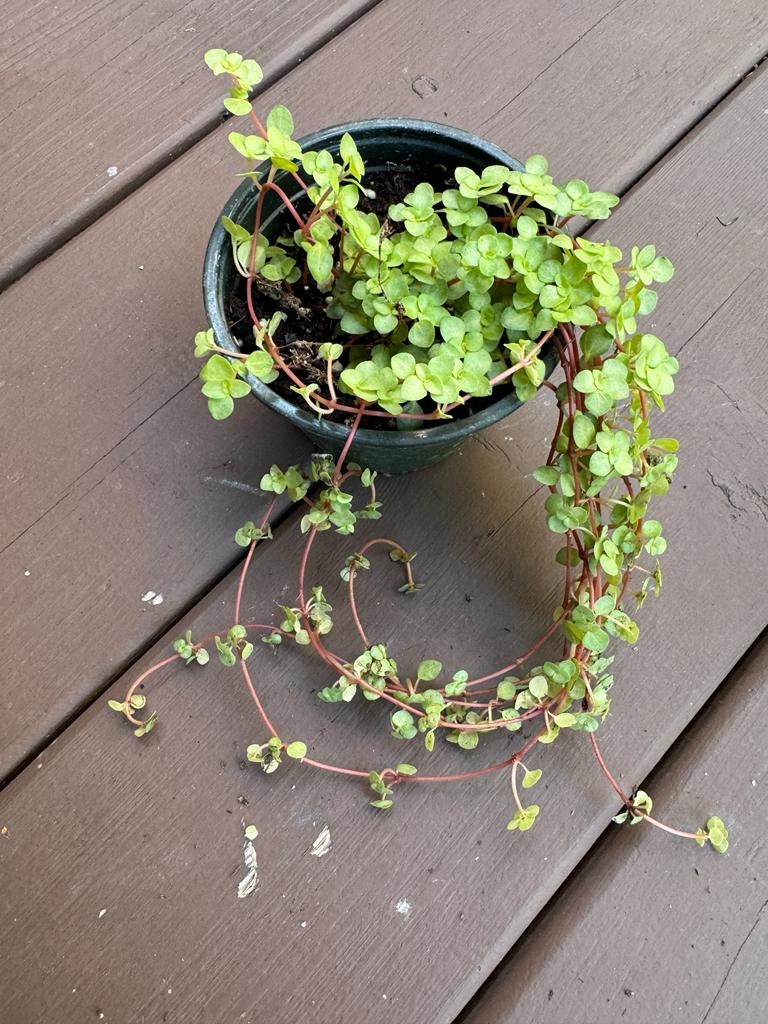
column 88, row 87
column 650, row 929
column 139, row 468
column 151, row 833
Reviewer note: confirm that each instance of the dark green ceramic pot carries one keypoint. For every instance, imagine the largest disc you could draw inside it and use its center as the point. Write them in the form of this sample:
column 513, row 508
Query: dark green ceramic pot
column 418, row 148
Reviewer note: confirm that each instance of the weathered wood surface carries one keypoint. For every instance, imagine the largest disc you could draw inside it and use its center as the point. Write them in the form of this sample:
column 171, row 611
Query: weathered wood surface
column 649, row 929
column 106, row 85
column 140, row 466
column 144, row 833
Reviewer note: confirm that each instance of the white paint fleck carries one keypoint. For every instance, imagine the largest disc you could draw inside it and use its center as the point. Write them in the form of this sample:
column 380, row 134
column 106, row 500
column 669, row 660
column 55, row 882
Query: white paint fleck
column 754, row 782
column 148, row 596
column 322, row 844
column 170, row 991
column 403, row 907
column 112, row 171
column 26, row 572
column 152, row 598
column 303, row 924
column 141, row 266
column 237, row 485
column 251, row 879
column 102, row 913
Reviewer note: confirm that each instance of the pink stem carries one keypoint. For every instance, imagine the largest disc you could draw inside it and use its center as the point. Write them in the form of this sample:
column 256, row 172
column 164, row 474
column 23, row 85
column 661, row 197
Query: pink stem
column 247, row 562
column 350, row 438
column 255, row 696
column 518, row 661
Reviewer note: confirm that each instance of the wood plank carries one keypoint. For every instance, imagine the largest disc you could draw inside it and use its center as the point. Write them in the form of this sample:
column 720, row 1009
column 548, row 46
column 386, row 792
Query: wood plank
column 136, row 830
column 132, row 326
column 648, row 929
column 122, row 86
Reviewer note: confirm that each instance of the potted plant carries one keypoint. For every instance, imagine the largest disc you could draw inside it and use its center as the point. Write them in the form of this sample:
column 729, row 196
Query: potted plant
column 392, row 285
column 463, row 288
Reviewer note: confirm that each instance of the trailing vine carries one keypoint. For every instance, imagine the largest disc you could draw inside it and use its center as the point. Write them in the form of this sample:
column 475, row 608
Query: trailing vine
column 463, row 299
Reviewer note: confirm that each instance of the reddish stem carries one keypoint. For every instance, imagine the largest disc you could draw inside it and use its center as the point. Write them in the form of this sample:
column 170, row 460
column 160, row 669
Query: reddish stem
column 247, row 562
column 255, row 696
column 518, row 661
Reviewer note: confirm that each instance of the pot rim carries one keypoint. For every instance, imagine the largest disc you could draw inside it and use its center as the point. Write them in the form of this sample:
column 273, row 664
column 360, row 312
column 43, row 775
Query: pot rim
column 438, row 435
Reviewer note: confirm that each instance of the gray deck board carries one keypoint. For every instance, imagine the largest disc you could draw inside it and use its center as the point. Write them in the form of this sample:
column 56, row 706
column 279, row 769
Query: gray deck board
column 144, row 833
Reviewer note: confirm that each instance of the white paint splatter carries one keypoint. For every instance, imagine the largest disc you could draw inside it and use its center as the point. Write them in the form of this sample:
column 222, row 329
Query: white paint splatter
column 403, row 907
column 26, row 572
column 152, row 598
column 112, row 171
column 303, row 924
column 236, row 485
column 102, row 913
column 322, row 844
column 251, row 879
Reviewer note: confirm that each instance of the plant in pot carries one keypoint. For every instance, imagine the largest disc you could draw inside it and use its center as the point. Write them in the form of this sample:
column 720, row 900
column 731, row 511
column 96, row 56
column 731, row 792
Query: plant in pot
column 374, row 278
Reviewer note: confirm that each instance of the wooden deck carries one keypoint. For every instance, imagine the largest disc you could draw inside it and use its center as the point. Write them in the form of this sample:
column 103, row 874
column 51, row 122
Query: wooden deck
column 120, row 860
